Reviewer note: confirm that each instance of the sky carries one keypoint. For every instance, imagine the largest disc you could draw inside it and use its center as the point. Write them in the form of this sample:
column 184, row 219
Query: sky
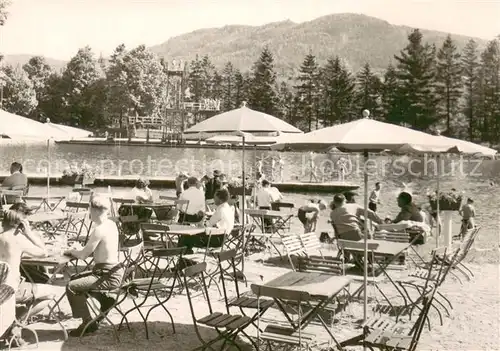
column 57, row 28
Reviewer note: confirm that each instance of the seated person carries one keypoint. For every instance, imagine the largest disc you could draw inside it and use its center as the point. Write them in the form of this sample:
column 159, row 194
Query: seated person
column 16, row 240
column 223, row 218
column 308, row 214
column 107, row 272
column 346, row 219
column 141, row 192
column 195, row 211
column 275, row 194
column 409, row 211
column 264, row 201
column 16, row 181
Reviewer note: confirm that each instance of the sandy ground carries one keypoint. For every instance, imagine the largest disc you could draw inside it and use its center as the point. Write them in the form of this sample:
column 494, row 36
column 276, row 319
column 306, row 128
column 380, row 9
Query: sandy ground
column 473, row 324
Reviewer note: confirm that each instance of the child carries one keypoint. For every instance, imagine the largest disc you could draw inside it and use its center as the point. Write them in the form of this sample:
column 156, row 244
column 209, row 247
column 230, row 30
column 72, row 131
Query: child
column 468, row 212
column 309, row 214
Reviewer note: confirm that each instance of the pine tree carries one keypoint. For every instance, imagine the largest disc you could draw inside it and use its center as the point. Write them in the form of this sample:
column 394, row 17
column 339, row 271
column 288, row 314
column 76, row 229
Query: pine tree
column 116, row 77
column 391, row 96
column 228, row 87
column 368, row 92
column 337, row 92
column 262, row 95
column 308, row 90
column 470, row 66
column 241, row 88
column 489, row 92
column 196, row 83
column 3, row 11
column 285, row 102
column 448, row 79
column 416, row 71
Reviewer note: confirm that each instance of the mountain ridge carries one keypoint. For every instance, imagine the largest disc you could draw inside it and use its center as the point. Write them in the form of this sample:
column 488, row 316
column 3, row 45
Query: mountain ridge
column 356, row 38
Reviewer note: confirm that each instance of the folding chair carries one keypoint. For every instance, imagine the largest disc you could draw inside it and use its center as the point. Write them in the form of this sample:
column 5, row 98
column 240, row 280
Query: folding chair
column 227, row 326
column 458, row 263
column 286, row 206
column 85, row 193
column 387, row 334
column 133, row 256
column 293, row 247
column 161, row 284
column 238, row 301
column 397, row 237
column 156, row 236
column 287, row 336
column 182, row 206
column 73, row 206
column 129, row 228
column 169, row 198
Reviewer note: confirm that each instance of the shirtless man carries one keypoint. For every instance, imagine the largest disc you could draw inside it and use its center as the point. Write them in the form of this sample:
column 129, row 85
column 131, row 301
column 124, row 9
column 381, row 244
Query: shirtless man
column 17, row 239
column 106, row 274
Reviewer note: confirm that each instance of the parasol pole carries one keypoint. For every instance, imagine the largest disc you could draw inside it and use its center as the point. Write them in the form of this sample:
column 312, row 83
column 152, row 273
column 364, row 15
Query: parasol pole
column 48, row 169
column 438, row 218
column 243, row 202
column 365, row 259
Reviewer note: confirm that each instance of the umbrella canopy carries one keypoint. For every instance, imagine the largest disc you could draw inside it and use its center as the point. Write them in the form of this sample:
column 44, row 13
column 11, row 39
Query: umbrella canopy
column 366, row 135
column 64, row 132
column 243, row 119
column 22, row 128
column 234, row 139
column 467, row 147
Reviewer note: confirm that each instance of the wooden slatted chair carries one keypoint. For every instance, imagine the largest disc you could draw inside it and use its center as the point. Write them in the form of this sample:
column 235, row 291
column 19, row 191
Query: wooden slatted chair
column 239, row 301
column 227, row 325
column 291, row 337
column 293, row 247
column 310, row 243
column 328, row 265
column 386, row 334
column 168, row 198
column 182, row 206
column 155, row 236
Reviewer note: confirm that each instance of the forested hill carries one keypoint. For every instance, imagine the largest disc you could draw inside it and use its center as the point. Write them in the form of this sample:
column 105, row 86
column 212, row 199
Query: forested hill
column 357, row 39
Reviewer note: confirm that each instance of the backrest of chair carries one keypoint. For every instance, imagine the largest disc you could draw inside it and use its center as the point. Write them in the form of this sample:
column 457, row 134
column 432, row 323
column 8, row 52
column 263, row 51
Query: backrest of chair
column 281, row 205
column 280, row 293
column 210, row 205
column 133, row 256
column 229, row 257
column 166, row 197
column 310, row 242
column 72, row 206
column 330, row 265
column 193, row 272
column 182, row 205
column 416, row 330
column 166, row 265
column 398, row 237
column 4, row 272
column 292, row 244
column 467, row 243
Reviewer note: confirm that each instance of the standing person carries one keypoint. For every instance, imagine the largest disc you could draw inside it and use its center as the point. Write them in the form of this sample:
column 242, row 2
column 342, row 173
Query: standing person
column 374, row 198
column 212, row 185
column 259, row 166
column 107, row 272
column 180, row 181
column 308, row 214
column 468, row 212
column 312, row 167
column 195, row 211
column 281, row 169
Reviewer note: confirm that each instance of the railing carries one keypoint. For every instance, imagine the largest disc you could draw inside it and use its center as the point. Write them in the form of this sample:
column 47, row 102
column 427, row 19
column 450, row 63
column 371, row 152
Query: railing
column 204, row 105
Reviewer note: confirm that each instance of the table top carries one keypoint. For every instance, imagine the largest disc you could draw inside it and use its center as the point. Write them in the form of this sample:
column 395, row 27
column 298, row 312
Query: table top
column 318, row 285
column 188, row 230
column 270, row 213
column 51, row 197
column 39, row 217
column 52, row 260
column 152, row 204
column 385, row 247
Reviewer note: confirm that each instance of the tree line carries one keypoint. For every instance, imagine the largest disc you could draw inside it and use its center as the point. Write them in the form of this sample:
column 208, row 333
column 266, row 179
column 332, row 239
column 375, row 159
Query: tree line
column 425, row 88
